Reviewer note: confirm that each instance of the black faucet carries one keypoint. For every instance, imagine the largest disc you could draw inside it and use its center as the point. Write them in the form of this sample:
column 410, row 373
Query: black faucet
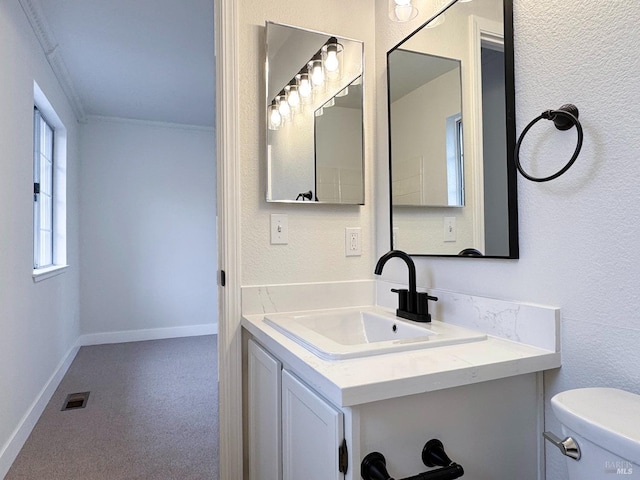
column 412, row 305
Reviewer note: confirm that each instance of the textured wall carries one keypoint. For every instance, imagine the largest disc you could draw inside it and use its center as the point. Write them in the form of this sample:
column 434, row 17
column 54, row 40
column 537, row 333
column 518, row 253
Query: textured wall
column 148, row 226
column 578, row 234
column 316, row 232
column 39, row 321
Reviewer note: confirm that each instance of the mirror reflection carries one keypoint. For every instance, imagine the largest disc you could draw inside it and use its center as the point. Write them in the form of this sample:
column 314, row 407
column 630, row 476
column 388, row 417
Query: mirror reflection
column 314, row 117
column 426, row 114
column 452, row 131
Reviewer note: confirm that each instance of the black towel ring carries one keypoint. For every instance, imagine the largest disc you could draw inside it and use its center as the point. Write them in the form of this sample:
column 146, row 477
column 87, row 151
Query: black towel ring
column 564, row 118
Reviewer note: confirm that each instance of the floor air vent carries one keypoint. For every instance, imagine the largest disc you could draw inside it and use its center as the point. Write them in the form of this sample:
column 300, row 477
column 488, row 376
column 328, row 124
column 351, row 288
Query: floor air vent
column 75, row 401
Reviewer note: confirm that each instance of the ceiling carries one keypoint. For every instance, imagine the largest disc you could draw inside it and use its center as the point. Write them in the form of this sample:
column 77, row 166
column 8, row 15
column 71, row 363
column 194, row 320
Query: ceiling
column 149, row 60
column 410, row 70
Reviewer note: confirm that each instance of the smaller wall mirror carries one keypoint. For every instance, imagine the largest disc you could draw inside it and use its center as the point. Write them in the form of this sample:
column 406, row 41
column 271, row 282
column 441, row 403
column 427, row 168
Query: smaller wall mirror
column 314, row 116
column 452, row 134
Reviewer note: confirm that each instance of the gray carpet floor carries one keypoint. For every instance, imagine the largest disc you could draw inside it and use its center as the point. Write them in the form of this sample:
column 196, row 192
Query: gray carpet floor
column 152, row 414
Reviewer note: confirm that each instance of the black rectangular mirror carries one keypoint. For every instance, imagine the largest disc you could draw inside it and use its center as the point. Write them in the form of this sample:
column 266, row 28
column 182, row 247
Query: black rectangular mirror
column 451, row 100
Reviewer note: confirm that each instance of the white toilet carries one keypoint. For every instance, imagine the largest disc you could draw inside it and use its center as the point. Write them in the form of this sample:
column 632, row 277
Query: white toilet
column 605, row 425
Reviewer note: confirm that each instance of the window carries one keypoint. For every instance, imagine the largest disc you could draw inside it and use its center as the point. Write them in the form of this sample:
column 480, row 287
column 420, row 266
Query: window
column 49, row 190
column 455, row 161
column 42, row 191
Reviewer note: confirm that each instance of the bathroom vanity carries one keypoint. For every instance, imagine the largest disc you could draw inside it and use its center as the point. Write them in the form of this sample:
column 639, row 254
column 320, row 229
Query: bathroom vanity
column 317, row 418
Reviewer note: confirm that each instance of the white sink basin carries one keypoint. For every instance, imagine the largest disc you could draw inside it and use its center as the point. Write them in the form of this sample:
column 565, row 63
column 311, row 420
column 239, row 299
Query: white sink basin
column 362, row 331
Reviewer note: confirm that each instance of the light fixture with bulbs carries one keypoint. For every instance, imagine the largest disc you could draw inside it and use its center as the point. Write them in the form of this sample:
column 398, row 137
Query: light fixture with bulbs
column 324, row 66
column 402, row 10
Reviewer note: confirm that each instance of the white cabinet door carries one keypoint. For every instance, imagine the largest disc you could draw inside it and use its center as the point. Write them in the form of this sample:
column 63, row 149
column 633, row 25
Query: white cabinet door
column 312, row 431
column 265, row 446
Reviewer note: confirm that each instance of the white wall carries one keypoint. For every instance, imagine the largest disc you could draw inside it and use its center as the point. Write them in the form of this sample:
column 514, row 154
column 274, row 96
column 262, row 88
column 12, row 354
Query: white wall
column 316, row 232
column 39, row 321
column 578, row 234
column 147, row 226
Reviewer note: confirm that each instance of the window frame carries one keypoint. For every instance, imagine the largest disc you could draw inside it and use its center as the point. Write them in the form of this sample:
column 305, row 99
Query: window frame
column 58, row 188
column 42, row 259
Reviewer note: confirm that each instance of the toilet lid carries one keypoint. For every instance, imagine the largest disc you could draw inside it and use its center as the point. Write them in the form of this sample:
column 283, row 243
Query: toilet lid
column 608, row 417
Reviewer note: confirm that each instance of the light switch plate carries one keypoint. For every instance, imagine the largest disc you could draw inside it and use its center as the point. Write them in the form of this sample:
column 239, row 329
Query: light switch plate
column 449, row 229
column 279, row 229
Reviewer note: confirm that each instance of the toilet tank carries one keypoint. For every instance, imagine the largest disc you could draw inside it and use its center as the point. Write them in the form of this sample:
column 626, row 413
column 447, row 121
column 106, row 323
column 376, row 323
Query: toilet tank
column 606, row 424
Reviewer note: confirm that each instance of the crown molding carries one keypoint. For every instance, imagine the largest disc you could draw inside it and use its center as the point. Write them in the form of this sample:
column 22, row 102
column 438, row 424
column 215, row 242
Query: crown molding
column 149, row 123
column 51, row 49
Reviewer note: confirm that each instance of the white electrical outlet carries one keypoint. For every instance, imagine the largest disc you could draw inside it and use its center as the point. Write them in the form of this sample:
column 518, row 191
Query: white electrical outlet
column 449, row 229
column 279, row 229
column 352, row 244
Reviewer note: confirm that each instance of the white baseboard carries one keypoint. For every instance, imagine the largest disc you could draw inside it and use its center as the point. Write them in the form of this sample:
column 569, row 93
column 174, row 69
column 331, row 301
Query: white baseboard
column 10, row 450
column 125, row 336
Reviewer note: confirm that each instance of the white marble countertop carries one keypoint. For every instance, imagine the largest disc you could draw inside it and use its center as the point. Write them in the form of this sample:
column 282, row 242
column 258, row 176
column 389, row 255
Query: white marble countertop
column 357, row 381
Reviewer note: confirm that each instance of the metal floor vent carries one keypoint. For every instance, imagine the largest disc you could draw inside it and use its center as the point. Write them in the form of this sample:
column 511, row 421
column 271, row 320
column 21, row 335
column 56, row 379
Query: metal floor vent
column 75, row 401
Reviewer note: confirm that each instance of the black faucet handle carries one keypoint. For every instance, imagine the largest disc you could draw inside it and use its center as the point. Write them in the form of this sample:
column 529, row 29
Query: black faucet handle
column 423, row 304
column 403, row 297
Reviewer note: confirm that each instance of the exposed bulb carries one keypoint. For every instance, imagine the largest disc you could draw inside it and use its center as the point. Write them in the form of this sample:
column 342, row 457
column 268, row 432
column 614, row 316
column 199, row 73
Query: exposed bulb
column 332, row 59
column 402, row 10
column 293, row 96
column 283, row 107
column 404, row 13
column 317, row 72
column 304, row 86
column 275, row 119
column 331, row 63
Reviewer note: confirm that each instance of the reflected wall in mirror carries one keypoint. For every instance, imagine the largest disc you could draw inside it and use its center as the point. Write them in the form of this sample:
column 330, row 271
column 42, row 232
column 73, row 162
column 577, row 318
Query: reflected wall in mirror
column 452, row 134
column 314, row 116
column 426, row 114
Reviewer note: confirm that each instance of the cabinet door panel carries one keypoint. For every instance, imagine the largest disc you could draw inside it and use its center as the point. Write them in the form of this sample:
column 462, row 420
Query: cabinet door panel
column 311, row 433
column 265, row 446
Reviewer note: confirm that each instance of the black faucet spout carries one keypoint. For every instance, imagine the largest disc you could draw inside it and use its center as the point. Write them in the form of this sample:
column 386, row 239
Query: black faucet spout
column 412, row 304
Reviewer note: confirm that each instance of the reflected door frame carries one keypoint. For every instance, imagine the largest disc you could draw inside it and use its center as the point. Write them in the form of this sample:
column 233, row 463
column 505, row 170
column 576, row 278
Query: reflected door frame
column 481, row 31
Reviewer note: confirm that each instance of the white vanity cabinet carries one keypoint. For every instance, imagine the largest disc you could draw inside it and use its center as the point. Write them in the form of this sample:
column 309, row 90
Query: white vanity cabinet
column 312, row 431
column 483, row 399
column 293, row 433
column 264, row 395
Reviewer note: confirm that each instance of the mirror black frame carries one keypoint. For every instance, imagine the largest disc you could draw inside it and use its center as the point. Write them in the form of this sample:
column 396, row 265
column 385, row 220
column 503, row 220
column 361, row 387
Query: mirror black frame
column 510, row 125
